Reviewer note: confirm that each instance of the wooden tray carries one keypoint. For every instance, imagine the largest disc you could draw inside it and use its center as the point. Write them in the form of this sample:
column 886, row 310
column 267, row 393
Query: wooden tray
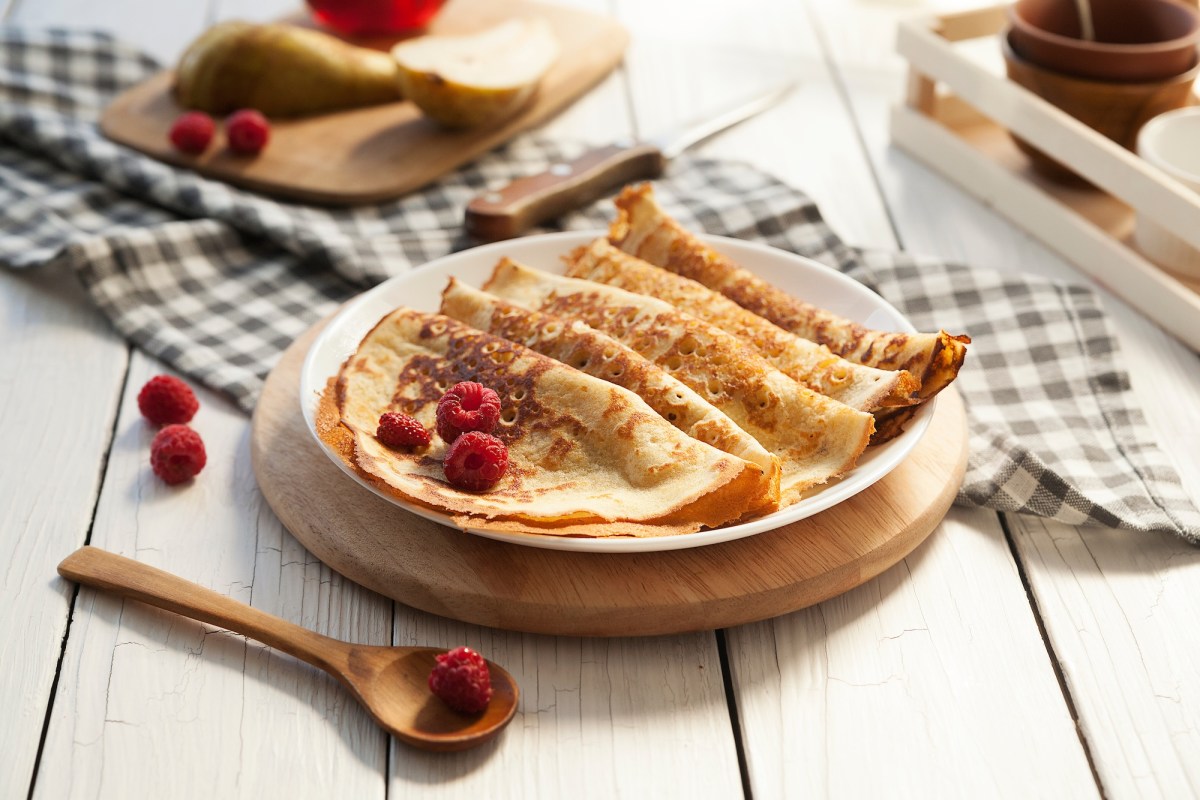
column 956, row 120
column 486, row 582
column 380, row 152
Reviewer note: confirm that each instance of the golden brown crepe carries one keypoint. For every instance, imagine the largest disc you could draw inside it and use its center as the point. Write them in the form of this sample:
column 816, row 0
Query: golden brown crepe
column 585, row 457
column 601, row 356
column 644, row 230
column 814, row 437
column 858, row 386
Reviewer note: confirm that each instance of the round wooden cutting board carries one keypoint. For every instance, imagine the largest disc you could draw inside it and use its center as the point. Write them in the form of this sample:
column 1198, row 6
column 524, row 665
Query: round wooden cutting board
column 502, row 585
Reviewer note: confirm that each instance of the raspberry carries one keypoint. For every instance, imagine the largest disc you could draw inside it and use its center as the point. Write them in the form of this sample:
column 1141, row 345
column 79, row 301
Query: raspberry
column 192, row 132
column 476, row 461
column 401, row 430
column 247, row 131
column 468, row 406
column 177, row 454
column 461, row 679
column 165, row 400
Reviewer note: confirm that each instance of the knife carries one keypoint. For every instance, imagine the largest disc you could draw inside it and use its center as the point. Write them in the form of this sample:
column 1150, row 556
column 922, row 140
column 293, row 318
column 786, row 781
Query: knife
column 507, row 212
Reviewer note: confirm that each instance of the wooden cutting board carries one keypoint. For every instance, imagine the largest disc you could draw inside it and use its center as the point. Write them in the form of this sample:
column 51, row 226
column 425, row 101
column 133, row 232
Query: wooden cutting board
column 380, row 152
column 502, row 585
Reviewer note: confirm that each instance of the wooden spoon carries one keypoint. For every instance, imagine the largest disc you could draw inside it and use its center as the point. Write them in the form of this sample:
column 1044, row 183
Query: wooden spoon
column 390, row 681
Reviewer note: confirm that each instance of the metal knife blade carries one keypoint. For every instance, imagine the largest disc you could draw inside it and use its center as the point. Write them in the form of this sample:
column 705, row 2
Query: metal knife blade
column 508, row 211
column 672, row 143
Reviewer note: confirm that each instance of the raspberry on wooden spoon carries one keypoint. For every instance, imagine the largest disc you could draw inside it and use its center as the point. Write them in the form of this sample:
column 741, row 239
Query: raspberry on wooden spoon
column 462, row 680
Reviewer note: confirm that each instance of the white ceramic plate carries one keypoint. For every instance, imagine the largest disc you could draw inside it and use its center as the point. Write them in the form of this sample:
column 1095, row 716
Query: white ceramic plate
column 421, row 289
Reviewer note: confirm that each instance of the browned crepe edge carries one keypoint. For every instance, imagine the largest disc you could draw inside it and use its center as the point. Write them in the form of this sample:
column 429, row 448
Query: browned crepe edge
column 902, row 391
column 941, row 362
column 635, row 365
column 790, row 494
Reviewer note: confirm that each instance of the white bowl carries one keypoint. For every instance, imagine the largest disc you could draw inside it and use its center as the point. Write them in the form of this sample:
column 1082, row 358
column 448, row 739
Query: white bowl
column 421, row 289
column 1171, row 142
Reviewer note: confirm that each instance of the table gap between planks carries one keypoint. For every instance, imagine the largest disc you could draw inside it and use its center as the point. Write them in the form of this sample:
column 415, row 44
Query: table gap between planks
column 933, row 679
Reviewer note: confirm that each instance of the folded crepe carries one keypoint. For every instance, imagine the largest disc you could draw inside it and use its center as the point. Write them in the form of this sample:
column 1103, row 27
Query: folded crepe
column 812, row 364
column 590, row 351
column 586, row 458
column 644, row 230
column 814, row 437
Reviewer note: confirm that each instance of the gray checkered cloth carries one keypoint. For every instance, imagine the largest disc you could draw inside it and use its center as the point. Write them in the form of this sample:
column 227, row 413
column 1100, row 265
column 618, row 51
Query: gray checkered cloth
column 217, row 282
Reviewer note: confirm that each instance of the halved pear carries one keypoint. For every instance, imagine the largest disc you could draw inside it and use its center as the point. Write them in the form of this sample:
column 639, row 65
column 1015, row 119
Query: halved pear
column 476, row 80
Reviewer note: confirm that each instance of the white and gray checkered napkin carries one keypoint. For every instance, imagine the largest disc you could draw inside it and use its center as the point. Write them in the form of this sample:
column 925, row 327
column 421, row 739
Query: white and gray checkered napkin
column 217, row 282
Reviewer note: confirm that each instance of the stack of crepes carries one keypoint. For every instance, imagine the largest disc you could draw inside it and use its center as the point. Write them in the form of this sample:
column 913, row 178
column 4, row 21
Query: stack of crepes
column 656, row 389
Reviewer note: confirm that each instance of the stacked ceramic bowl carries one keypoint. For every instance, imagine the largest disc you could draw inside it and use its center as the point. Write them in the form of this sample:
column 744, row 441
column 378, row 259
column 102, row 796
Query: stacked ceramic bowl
column 1115, row 65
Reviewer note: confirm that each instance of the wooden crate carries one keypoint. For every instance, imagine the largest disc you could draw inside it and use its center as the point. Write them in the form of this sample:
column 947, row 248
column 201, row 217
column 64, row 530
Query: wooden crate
column 956, row 119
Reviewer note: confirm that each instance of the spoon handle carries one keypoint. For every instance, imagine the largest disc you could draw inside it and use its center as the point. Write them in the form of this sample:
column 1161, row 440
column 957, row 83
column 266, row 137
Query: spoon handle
column 124, row 576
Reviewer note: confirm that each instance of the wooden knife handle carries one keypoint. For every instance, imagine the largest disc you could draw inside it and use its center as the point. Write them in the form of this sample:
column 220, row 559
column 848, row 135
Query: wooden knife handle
column 526, row 202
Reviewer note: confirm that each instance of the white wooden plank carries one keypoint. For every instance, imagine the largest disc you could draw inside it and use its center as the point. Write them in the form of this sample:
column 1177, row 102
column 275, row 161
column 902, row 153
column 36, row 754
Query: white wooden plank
column 893, row 664
column 599, row 718
column 682, row 65
column 142, row 686
column 160, row 29
column 258, row 11
column 61, row 369
column 692, row 679
column 153, row 705
column 930, row 681
column 1121, row 612
column 1119, row 609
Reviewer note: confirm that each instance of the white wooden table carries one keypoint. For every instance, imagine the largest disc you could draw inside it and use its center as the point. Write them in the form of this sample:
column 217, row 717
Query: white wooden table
column 1005, row 657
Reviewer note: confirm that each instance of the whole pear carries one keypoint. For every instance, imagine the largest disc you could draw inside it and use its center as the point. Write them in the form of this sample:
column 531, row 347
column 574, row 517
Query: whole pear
column 281, row 70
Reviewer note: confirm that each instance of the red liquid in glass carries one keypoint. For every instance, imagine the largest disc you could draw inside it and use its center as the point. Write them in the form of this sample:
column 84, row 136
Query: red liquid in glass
column 371, row 17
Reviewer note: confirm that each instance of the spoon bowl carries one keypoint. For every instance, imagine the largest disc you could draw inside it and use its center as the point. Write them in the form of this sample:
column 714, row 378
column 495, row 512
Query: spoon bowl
column 390, row 682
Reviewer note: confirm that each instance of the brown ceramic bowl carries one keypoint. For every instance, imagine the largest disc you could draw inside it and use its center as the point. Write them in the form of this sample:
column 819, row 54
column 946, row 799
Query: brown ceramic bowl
column 1117, row 110
column 1136, row 40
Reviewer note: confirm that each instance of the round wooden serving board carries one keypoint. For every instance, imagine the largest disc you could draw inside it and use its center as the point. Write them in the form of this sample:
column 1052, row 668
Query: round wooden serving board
column 486, row 582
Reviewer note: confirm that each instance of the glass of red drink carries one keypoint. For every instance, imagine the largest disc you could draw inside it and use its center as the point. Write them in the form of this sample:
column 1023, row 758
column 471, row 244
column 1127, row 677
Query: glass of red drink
column 374, row 17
